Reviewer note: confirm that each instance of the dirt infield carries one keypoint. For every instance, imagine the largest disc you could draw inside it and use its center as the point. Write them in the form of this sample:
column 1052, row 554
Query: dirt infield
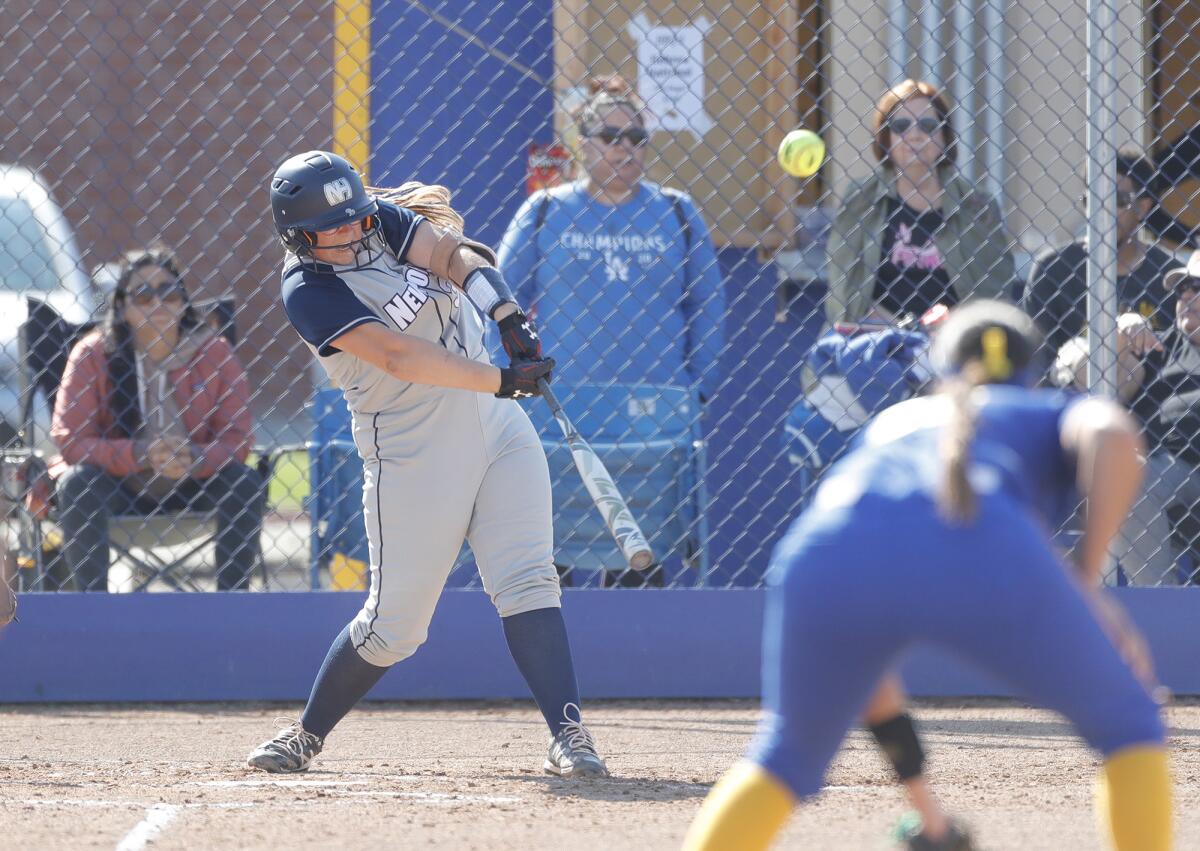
column 468, row 776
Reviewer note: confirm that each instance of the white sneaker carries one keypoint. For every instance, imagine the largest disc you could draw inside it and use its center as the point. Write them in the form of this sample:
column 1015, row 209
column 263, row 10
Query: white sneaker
column 573, row 750
column 292, row 749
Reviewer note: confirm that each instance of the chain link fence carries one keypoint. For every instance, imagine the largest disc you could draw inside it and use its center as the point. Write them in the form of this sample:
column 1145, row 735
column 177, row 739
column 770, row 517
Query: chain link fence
column 722, row 329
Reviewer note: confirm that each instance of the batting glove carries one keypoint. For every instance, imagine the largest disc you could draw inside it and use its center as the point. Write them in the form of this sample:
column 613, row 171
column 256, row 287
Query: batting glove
column 519, row 380
column 519, row 337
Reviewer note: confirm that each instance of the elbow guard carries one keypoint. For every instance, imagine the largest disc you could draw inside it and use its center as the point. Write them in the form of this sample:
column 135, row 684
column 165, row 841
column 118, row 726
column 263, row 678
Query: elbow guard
column 486, row 289
column 897, row 738
column 446, row 248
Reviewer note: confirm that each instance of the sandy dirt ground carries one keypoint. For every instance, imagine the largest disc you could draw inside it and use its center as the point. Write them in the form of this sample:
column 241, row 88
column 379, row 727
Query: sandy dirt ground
column 468, row 776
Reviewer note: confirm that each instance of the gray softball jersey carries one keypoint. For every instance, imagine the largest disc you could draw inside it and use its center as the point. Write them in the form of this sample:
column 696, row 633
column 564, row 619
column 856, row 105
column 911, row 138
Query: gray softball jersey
column 325, row 301
column 440, row 465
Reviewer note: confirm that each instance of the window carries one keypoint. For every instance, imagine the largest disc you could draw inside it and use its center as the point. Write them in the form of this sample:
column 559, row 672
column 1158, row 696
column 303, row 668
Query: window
column 26, row 257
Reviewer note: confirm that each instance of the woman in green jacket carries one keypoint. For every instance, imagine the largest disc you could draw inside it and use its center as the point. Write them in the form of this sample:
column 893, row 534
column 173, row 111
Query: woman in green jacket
column 915, row 233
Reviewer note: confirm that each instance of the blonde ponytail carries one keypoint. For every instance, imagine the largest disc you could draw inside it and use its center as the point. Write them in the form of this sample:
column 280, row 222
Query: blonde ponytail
column 984, row 342
column 427, row 199
column 956, row 500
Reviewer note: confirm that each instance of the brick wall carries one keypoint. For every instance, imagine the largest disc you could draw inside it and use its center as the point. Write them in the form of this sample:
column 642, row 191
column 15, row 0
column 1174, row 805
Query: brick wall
column 166, row 124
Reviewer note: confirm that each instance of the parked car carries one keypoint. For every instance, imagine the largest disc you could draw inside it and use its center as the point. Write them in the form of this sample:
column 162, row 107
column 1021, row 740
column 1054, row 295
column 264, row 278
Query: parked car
column 38, row 258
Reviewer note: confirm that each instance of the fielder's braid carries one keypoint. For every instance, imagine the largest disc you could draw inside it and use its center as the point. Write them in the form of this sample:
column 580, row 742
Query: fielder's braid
column 956, row 500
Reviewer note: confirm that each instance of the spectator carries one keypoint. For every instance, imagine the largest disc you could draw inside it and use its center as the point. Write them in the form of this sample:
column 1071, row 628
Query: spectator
column 1175, row 390
column 621, row 272
column 152, row 413
column 914, row 233
column 1056, row 294
column 1161, row 384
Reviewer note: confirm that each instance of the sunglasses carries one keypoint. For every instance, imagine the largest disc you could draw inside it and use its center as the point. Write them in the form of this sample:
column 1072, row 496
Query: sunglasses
column 612, row 135
column 928, row 125
column 169, row 292
column 1188, row 285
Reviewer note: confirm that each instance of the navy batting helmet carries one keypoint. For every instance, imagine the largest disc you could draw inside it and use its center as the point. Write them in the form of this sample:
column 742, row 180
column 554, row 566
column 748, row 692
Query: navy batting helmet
column 316, row 191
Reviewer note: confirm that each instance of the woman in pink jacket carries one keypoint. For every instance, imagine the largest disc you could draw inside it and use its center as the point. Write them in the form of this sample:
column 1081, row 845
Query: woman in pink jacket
column 153, row 412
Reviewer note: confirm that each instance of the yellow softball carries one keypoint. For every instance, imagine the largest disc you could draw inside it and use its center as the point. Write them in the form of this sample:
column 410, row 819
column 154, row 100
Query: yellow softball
column 801, row 153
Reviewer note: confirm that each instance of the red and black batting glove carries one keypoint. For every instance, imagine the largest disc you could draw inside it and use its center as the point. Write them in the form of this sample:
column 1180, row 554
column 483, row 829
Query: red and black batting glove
column 519, row 337
column 519, row 380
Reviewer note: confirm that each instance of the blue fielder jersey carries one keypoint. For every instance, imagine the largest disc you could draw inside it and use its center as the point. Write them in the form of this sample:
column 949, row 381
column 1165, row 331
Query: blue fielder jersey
column 1016, row 452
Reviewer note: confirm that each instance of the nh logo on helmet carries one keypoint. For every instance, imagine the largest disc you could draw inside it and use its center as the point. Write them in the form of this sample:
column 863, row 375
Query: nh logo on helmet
column 338, row 191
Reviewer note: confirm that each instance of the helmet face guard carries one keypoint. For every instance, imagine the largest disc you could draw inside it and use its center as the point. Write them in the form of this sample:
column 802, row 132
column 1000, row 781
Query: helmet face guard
column 302, row 242
column 317, row 191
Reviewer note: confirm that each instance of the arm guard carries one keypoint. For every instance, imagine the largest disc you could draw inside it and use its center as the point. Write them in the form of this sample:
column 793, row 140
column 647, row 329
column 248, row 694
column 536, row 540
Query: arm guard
column 486, row 289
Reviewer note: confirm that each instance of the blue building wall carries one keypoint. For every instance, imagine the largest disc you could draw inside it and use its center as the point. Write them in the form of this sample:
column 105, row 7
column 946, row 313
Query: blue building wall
column 457, row 97
column 751, row 483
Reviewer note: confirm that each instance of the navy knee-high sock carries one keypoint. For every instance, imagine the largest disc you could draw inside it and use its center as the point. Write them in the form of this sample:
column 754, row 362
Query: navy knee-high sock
column 538, row 643
column 344, row 680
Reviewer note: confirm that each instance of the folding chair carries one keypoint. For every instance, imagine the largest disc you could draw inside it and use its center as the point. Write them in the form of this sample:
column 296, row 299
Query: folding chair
column 46, row 340
column 649, row 438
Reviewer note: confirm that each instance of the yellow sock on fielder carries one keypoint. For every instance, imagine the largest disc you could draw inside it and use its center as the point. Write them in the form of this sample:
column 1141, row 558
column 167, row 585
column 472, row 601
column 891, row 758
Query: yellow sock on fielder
column 1134, row 799
column 743, row 812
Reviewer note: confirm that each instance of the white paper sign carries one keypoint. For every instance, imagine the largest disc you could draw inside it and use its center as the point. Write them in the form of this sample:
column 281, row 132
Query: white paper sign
column 671, row 74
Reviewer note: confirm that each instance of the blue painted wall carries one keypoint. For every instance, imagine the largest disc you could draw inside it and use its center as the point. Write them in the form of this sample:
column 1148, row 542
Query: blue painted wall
column 644, row 643
column 446, row 110
column 753, row 493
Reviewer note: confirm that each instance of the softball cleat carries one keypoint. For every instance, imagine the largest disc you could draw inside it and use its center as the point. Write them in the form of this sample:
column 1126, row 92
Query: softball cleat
column 956, row 839
column 573, row 750
column 292, row 750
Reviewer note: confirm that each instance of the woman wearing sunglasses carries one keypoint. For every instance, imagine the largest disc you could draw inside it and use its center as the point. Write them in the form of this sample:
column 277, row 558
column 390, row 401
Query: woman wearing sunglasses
column 153, row 412
column 619, row 268
column 915, row 233
column 622, row 272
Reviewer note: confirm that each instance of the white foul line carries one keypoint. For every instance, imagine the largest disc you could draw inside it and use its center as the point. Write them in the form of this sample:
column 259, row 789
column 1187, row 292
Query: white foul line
column 438, row 797
column 284, row 783
column 93, row 802
column 847, row 788
column 74, row 802
column 157, row 818
column 433, row 797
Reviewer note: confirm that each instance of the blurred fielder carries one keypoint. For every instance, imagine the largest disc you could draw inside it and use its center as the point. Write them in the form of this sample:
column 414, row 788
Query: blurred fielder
column 382, row 293
column 974, row 477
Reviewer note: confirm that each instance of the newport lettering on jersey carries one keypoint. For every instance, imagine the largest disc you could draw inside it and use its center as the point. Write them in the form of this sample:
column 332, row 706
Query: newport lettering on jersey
column 325, row 302
column 403, row 307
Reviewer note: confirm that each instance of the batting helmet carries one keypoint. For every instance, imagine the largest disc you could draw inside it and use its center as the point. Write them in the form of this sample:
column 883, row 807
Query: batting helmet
column 316, row 191
column 1000, row 336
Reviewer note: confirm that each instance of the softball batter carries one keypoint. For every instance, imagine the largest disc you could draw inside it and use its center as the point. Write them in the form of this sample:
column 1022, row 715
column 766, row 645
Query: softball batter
column 388, row 296
column 975, row 476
